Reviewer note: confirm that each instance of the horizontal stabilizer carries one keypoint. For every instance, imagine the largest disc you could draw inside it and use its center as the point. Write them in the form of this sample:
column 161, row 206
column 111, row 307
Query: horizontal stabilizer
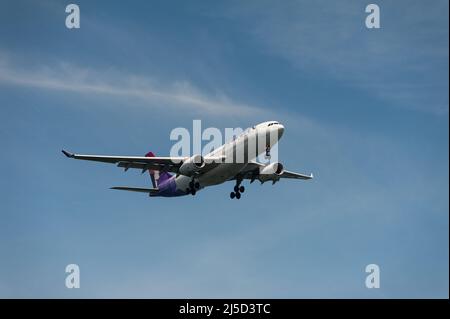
column 136, row 189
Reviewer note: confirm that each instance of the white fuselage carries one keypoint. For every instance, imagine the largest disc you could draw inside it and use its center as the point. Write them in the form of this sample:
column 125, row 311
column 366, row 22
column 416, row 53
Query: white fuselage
column 237, row 154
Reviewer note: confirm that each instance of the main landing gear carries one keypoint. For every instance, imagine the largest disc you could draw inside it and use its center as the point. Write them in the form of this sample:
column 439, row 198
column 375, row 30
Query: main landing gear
column 238, row 189
column 193, row 187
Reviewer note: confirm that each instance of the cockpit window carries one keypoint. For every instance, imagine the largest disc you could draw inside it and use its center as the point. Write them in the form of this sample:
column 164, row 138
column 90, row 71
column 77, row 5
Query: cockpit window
column 273, row 123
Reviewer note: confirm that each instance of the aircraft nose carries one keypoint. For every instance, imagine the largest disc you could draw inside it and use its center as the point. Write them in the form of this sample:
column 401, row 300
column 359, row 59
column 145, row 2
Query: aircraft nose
column 280, row 130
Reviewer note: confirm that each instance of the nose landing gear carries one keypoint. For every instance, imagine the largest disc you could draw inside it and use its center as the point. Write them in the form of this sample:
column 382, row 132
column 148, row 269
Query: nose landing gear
column 267, row 156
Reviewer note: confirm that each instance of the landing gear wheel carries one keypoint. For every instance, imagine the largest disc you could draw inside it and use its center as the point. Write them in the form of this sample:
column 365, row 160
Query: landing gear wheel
column 238, row 189
column 193, row 191
column 197, row 185
column 232, row 195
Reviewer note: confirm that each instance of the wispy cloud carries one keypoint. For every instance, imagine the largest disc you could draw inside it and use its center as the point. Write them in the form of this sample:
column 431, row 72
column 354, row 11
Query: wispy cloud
column 405, row 63
column 178, row 95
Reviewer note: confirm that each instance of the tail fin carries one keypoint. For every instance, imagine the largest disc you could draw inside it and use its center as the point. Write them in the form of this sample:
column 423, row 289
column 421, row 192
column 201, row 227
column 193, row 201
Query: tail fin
column 157, row 177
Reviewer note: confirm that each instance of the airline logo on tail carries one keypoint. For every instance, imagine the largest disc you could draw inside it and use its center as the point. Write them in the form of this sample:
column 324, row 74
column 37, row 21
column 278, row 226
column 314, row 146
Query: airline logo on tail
column 156, row 176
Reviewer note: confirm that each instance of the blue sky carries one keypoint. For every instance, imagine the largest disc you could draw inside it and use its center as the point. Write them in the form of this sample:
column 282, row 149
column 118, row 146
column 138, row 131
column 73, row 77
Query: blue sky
column 365, row 110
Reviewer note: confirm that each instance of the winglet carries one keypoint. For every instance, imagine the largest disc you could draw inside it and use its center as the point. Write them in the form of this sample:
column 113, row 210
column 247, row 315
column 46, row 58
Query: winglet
column 68, row 154
column 312, row 176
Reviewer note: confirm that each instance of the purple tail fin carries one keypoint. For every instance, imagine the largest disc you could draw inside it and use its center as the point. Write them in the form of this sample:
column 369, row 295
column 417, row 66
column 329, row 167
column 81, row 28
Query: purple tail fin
column 157, row 176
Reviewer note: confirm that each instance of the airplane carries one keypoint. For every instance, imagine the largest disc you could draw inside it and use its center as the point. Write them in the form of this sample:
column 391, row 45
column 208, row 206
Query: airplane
column 191, row 174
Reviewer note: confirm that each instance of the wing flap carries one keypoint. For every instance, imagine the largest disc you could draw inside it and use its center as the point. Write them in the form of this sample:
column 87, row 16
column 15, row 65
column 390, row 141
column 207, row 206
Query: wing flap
column 146, row 166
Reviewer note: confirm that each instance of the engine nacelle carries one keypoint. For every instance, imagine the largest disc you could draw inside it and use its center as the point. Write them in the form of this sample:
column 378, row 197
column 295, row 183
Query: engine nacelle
column 192, row 165
column 274, row 168
column 271, row 172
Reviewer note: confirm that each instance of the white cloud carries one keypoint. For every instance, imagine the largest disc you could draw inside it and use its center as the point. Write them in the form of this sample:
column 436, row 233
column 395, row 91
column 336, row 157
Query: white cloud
column 179, row 95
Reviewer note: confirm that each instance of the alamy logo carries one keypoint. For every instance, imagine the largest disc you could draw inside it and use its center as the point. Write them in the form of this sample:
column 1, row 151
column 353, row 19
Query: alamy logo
column 258, row 142
column 73, row 19
column 373, row 279
column 373, row 19
column 73, row 277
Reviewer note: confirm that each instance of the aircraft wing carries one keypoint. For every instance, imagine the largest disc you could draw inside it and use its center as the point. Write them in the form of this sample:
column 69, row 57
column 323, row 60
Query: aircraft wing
column 165, row 164
column 168, row 164
column 252, row 172
column 289, row 174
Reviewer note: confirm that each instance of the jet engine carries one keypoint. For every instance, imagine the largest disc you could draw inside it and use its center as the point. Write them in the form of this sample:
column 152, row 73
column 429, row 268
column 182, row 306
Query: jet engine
column 274, row 168
column 192, row 165
column 271, row 172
